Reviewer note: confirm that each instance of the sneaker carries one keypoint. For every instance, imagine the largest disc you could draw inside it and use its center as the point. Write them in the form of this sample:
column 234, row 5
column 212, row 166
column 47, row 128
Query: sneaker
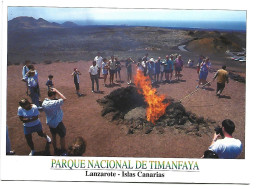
column 92, row 91
column 48, row 139
column 197, row 86
column 10, row 153
column 31, row 153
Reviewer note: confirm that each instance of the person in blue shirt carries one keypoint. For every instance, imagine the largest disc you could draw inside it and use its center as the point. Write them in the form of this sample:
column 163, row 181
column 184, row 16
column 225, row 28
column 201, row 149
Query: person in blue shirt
column 75, row 75
column 31, row 78
column 29, row 115
column 168, row 66
column 49, row 82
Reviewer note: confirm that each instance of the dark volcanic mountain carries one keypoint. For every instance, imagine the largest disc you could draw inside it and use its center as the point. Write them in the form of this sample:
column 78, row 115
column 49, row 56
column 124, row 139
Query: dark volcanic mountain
column 69, row 24
column 25, row 22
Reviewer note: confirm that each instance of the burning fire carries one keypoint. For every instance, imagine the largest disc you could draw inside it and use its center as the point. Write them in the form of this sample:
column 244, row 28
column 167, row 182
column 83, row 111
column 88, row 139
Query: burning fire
column 156, row 107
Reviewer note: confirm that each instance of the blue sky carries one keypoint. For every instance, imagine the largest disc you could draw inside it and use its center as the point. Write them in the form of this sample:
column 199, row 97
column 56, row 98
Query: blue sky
column 96, row 14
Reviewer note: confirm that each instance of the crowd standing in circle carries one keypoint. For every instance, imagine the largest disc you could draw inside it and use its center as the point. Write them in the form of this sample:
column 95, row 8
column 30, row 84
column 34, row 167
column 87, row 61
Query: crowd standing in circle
column 158, row 70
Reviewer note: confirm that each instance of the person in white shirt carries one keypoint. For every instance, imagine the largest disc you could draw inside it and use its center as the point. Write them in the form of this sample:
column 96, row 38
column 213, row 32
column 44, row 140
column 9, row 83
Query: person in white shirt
column 93, row 73
column 99, row 61
column 54, row 117
column 228, row 147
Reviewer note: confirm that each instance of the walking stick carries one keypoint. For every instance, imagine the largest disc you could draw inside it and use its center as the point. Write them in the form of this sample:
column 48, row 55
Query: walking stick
column 194, row 91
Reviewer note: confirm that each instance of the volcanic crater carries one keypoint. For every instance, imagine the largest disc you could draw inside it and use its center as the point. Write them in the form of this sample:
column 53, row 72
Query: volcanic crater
column 125, row 106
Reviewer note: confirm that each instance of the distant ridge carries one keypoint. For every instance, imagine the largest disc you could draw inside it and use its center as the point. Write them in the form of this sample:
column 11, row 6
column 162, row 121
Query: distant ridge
column 25, row 22
column 69, row 24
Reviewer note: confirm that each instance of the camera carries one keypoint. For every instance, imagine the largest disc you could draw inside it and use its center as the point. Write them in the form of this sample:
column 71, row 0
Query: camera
column 218, row 130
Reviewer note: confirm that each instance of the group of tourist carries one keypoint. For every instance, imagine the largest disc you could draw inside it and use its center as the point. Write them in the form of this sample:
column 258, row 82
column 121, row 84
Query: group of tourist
column 28, row 112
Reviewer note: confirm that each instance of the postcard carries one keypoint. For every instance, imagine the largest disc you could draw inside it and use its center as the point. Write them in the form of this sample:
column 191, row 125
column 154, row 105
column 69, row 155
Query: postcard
column 124, row 94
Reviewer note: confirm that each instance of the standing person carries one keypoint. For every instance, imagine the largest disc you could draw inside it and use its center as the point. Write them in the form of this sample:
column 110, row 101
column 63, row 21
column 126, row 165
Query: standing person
column 105, row 70
column 204, row 70
column 28, row 114
column 128, row 65
column 222, row 78
column 31, row 67
column 93, row 73
column 98, row 60
column 162, row 65
column 54, row 115
column 190, row 63
column 151, row 69
column 157, row 69
column 178, row 67
column 32, row 82
column 201, row 58
column 144, row 62
column 49, row 82
column 75, row 75
column 140, row 66
column 228, row 147
column 118, row 69
column 167, row 68
column 112, row 70
column 24, row 71
column 171, row 67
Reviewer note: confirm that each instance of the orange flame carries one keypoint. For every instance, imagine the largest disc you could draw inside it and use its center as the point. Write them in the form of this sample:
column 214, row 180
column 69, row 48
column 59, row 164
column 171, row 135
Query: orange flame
column 156, row 107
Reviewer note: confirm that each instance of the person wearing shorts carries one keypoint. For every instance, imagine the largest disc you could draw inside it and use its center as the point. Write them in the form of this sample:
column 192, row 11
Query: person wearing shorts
column 105, row 70
column 178, row 67
column 28, row 114
column 54, row 116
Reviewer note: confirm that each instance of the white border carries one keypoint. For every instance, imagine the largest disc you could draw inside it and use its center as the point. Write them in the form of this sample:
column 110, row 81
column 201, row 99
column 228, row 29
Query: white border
column 38, row 168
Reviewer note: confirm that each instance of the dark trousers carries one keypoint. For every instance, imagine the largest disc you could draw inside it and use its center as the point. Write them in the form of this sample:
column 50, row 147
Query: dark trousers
column 220, row 88
column 94, row 78
column 34, row 94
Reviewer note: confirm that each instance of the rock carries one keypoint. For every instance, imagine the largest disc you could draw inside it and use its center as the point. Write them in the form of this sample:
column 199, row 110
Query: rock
column 107, row 110
column 136, row 113
column 148, row 130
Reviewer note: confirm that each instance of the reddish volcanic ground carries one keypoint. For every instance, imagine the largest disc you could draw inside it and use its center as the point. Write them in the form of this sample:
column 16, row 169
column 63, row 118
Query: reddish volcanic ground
column 82, row 116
